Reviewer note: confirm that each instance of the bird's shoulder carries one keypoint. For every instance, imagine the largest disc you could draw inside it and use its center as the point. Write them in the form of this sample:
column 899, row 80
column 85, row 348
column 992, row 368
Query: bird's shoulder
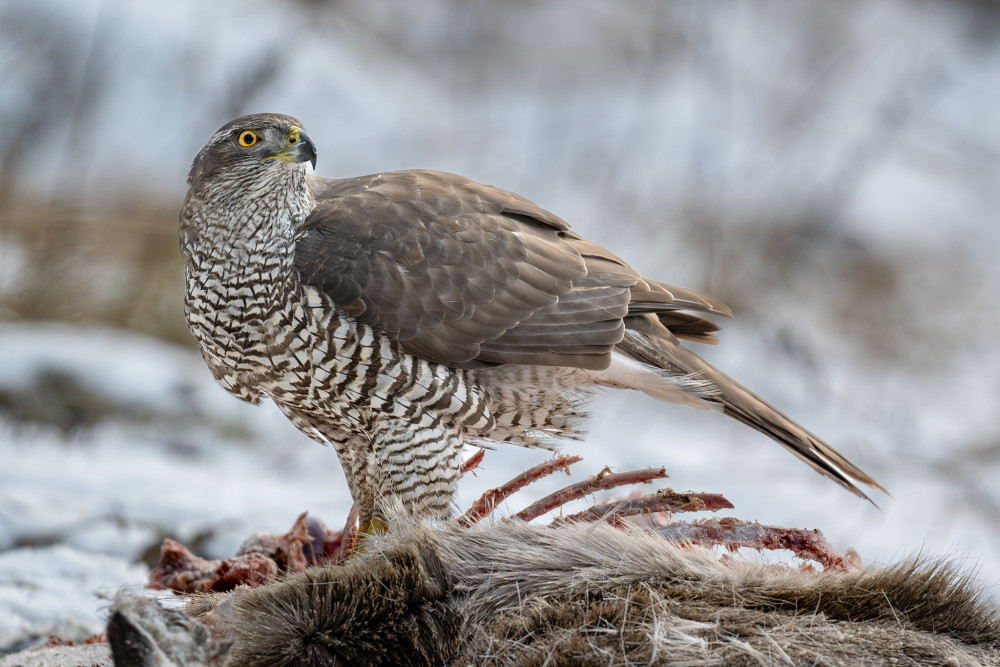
column 437, row 261
column 427, row 196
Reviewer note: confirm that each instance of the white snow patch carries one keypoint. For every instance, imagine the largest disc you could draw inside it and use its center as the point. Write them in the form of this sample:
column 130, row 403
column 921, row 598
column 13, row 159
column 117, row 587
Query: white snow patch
column 58, row 590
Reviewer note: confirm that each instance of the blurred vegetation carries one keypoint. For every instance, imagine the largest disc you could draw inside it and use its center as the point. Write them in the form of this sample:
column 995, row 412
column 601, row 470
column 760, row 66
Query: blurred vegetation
column 117, row 265
column 730, row 185
column 70, row 254
column 120, row 266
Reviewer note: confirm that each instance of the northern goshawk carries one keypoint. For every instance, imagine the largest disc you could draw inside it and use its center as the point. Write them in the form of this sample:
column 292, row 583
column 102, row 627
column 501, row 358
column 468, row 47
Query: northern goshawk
column 399, row 315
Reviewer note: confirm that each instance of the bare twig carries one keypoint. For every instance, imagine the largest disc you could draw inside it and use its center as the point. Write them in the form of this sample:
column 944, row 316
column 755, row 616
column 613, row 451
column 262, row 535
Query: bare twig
column 489, row 500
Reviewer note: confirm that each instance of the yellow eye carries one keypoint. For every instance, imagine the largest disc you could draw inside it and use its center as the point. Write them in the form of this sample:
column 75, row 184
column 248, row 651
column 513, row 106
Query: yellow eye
column 293, row 136
column 248, row 138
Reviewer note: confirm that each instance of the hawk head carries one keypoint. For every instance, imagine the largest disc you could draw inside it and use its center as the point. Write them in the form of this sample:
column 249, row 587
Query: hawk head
column 252, row 146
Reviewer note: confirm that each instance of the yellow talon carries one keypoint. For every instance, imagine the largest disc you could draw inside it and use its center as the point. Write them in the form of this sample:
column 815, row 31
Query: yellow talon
column 375, row 527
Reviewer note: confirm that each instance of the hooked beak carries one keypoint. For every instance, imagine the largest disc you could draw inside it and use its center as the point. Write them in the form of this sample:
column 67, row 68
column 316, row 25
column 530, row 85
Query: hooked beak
column 302, row 148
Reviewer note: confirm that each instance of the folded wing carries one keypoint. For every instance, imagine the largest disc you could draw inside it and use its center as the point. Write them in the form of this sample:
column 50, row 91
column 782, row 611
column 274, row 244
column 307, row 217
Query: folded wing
column 468, row 275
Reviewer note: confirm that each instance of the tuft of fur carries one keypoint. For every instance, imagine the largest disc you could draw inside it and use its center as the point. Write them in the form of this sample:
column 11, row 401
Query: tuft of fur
column 518, row 594
column 395, row 610
column 597, row 595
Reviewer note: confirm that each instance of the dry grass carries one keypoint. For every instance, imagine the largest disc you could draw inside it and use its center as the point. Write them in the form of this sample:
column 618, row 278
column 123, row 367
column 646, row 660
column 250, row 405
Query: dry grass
column 116, row 264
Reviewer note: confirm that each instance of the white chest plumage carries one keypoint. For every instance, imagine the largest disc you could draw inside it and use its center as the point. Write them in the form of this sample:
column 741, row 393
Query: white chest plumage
column 395, row 420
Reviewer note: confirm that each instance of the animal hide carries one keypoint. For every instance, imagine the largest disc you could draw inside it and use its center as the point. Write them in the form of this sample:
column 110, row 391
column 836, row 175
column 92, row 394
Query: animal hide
column 518, row 594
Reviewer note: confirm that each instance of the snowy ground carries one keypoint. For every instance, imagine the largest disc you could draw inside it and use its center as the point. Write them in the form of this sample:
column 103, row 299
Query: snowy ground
column 159, row 450
column 677, row 134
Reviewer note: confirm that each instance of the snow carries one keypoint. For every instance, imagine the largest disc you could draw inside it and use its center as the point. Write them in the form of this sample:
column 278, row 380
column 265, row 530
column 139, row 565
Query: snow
column 96, row 498
column 91, row 655
column 59, row 590
column 176, row 456
column 740, row 114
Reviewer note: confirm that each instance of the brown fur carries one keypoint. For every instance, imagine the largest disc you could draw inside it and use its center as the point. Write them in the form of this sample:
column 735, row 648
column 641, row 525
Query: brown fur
column 517, row 594
column 388, row 611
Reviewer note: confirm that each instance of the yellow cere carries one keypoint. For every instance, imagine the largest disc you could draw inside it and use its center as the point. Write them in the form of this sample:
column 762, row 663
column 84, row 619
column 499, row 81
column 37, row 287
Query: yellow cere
column 293, row 138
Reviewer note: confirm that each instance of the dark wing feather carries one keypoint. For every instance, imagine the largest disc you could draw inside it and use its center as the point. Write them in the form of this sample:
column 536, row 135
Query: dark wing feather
column 468, row 274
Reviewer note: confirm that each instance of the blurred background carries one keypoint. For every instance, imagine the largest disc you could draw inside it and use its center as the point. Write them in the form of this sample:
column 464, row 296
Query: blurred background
column 830, row 170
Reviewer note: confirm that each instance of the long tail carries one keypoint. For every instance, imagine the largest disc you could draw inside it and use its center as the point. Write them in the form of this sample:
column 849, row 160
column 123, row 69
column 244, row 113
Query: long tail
column 646, row 340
